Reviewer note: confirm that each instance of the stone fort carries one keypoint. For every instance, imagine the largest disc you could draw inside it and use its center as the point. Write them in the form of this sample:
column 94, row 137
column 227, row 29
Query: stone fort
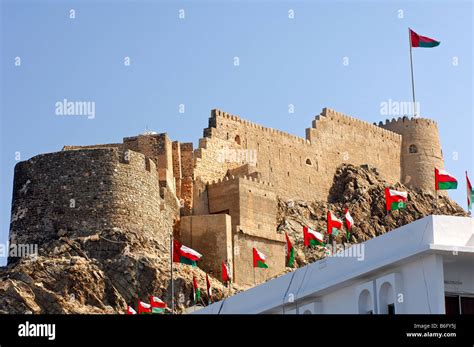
column 220, row 198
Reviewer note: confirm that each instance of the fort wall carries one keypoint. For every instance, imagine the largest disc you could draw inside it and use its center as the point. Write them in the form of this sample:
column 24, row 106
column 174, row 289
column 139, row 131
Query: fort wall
column 252, row 205
column 158, row 147
column 298, row 167
column 211, row 235
column 420, row 151
column 345, row 139
column 225, row 190
column 187, row 169
column 83, row 192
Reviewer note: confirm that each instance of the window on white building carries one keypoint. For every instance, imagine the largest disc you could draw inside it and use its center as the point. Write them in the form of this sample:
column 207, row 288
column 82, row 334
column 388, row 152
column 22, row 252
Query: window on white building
column 366, row 305
column 387, row 299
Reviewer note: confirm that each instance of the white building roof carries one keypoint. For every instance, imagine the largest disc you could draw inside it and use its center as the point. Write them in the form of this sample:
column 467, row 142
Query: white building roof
column 431, row 234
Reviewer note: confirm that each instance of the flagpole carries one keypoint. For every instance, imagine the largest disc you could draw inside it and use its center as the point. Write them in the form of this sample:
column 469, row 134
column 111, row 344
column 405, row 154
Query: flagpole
column 412, row 76
column 254, row 280
column 172, row 284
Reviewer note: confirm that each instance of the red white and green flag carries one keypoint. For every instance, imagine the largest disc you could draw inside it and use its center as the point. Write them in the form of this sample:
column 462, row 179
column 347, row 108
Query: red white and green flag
column 349, row 224
column 444, row 180
column 184, row 255
column 143, row 307
column 470, row 193
column 157, row 305
column 422, row 41
column 395, row 200
column 259, row 259
column 130, row 310
column 226, row 275
column 196, row 291
column 209, row 289
column 290, row 252
column 334, row 224
column 312, row 238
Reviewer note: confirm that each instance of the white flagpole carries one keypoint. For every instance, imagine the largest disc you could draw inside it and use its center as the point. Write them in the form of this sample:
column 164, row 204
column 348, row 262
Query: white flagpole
column 412, row 76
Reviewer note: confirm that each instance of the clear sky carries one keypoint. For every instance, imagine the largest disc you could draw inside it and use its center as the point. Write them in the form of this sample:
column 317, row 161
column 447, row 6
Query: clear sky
column 348, row 55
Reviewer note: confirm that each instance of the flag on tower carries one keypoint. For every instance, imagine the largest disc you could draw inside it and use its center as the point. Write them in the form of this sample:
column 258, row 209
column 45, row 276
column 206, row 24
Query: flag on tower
column 130, row 310
column 395, row 200
column 349, row 224
column 184, row 255
column 334, row 224
column 422, row 41
column 312, row 238
column 290, row 252
column 444, row 181
column 470, row 193
column 226, row 276
column 259, row 259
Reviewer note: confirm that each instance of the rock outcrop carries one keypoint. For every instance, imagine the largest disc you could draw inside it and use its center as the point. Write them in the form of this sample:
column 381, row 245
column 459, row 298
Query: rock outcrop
column 361, row 190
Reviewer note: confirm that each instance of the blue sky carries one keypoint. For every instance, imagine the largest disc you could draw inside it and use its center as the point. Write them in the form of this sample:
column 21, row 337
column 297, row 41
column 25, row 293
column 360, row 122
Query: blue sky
column 191, row 61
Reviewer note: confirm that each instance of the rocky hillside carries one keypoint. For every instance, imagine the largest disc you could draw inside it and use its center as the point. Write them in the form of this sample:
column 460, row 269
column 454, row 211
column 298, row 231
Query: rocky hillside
column 65, row 278
column 103, row 272
column 361, row 190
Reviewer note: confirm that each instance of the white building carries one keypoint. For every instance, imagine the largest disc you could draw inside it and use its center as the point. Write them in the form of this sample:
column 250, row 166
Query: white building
column 423, row 267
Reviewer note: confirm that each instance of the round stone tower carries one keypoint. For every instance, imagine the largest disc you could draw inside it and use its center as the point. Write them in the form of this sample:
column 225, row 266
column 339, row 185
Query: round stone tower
column 83, row 192
column 421, row 150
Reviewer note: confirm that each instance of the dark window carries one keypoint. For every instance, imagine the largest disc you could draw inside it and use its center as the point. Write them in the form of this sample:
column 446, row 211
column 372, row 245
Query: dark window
column 391, row 308
column 412, row 149
column 467, row 305
column 308, row 161
column 451, row 304
column 237, row 139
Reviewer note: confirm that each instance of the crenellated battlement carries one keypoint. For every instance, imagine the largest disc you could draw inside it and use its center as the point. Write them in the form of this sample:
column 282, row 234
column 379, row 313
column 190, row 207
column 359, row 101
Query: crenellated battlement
column 408, row 120
column 245, row 178
column 216, row 113
column 328, row 115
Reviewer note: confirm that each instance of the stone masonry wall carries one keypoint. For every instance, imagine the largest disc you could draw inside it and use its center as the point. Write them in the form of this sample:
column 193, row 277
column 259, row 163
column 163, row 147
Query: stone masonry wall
column 158, row 147
column 211, row 235
column 243, row 259
column 421, row 151
column 84, row 192
column 252, row 205
column 187, row 167
column 343, row 139
column 297, row 167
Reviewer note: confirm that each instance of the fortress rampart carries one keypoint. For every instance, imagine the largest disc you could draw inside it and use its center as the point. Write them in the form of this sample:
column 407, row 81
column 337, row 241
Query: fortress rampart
column 420, row 150
column 298, row 167
column 224, row 192
column 84, row 192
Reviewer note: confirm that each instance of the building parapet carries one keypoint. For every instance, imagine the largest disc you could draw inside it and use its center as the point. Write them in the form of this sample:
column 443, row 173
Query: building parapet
column 218, row 113
column 245, row 178
column 328, row 114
